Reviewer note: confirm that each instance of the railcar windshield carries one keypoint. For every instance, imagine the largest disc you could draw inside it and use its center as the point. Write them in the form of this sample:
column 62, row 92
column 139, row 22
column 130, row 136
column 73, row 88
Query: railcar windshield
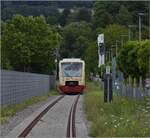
column 71, row 69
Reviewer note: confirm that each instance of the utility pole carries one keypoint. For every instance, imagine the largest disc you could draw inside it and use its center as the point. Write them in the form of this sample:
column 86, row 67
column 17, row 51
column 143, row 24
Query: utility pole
column 129, row 31
column 56, row 53
column 140, row 26
column 122, row 40
column 110, row 55
column 116, row 47
column 113, row 46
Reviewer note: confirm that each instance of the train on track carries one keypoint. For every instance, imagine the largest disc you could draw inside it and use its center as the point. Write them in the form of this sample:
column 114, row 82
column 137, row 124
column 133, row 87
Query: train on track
column 71, row 75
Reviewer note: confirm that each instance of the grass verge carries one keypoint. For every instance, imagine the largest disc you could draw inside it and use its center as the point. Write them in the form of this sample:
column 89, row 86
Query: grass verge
column 11, row 110
column 121, row 118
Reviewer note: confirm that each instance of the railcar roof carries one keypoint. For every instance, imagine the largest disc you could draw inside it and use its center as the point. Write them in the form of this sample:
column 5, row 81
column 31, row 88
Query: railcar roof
column 71, row 60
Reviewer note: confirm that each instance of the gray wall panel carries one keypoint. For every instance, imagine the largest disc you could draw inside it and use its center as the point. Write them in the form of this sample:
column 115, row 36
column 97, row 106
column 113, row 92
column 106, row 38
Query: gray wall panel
column 19, row 86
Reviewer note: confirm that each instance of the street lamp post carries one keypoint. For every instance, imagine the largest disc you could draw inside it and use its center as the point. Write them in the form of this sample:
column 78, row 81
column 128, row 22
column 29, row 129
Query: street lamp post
column 140, row 25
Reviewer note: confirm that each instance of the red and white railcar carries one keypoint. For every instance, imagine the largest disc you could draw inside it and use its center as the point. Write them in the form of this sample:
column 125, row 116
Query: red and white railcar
column 71, row 75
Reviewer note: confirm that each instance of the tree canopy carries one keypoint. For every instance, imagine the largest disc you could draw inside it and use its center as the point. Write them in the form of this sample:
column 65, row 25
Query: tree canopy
column 76, row 37
column 112, row 33
column 122, row 12
column 133, row 59
column 28, row 43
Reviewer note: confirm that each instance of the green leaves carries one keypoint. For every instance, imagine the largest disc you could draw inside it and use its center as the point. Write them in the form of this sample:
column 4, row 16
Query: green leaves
column 91, row 58
column 143, row 55
column 124, row 17
column 133, row 58
column 76, row 38
column 28, row 43
column 118, row 12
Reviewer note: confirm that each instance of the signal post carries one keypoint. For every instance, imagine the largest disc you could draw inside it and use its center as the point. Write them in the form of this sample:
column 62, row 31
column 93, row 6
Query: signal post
column 108, row 93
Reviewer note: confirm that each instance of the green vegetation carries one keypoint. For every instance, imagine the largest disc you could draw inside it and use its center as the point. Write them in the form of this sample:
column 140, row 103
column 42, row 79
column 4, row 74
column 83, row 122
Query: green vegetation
column 122, row 118
column 134, row 53
column 9, row 111
column 76, row 39
column 91, row 59
column 45, row 8
column 118, row 12
column 72, row 27
column 28, row 44
column 112, row 33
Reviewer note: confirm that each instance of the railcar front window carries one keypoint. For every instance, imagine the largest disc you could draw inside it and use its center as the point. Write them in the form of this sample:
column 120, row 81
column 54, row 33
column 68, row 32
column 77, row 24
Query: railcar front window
column 72, row 69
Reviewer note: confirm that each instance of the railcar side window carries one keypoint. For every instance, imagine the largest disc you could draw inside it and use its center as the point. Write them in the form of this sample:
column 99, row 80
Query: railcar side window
column 71, row 69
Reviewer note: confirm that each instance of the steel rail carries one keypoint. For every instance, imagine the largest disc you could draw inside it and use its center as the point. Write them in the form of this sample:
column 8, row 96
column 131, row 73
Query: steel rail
column 71, row 129
column 27, row 130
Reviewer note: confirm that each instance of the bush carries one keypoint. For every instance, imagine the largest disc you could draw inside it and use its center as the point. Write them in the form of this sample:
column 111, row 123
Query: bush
column 133, row 59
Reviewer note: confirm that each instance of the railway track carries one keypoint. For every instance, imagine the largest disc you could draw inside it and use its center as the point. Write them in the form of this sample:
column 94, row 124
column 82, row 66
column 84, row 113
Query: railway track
column 27, row 130
column 71, row 129
column 70, row 121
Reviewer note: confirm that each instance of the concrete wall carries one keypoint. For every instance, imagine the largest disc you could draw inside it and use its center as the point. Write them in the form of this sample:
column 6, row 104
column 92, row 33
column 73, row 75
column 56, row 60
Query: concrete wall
column 18, row 86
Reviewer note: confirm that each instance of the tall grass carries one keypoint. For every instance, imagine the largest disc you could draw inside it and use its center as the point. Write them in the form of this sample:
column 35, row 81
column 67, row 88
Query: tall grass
column 9, row 111
column 121, row 118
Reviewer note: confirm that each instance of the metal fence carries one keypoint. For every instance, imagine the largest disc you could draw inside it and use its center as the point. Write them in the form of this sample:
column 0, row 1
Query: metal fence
column 136, row 91
column 127, row 90
column 19, row 86
column 131, row 91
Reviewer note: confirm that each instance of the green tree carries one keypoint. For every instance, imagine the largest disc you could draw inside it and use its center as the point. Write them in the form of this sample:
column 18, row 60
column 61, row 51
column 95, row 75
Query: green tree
column 64, row 16
column 99, row 16
column 83, row 14
column 91, row 59
column 124, row 16
column 104, row 13
column 123, row 12
column 76, row 37
column 28, row 43
column 143, row 60
column 52, row 20
column 111, row 34
column 133, row 59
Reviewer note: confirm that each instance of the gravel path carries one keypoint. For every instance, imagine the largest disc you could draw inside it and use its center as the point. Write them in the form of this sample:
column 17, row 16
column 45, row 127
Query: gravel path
column 20, row 116
column 53, row 124
column 81, row 122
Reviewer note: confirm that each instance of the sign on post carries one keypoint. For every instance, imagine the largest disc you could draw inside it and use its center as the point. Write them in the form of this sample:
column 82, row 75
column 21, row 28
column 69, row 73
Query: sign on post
column 101, row 49
column 100, row 38
column 107, row 69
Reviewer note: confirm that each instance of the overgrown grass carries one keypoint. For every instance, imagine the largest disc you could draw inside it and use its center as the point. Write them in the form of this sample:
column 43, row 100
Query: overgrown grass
column 9, row 111
column 122, row 117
